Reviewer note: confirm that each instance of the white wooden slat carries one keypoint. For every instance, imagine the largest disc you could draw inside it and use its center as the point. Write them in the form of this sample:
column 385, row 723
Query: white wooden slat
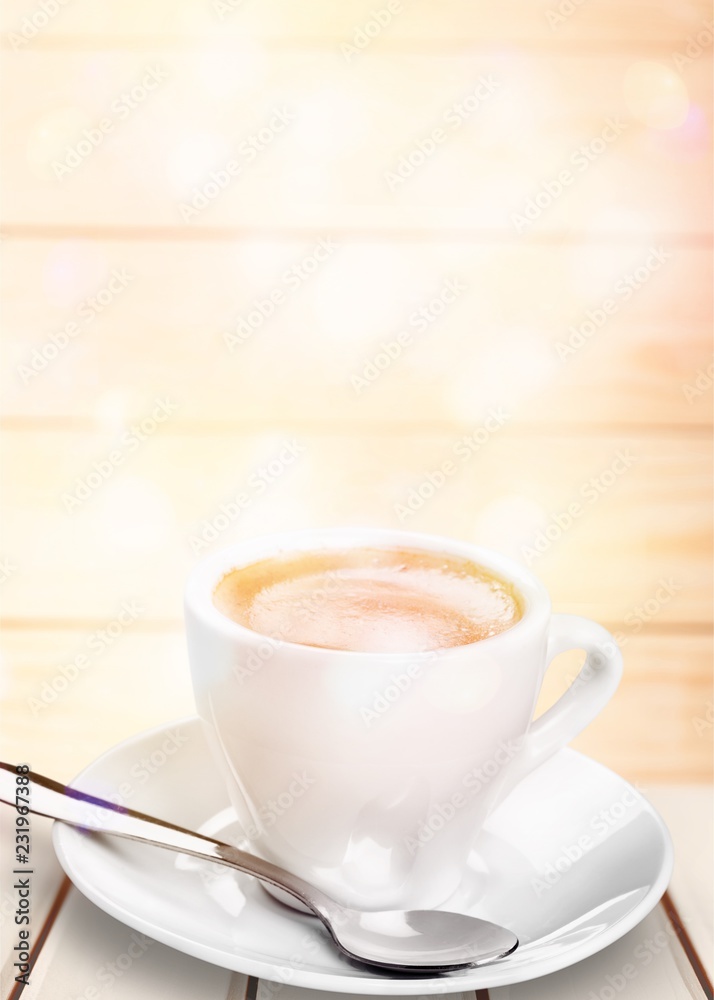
column 688, row 811
column 89, row 955
column 646, row 964
column 46, row 880
column 97, row 708
column 331, row 164
column 191, row 312
column 640, row 23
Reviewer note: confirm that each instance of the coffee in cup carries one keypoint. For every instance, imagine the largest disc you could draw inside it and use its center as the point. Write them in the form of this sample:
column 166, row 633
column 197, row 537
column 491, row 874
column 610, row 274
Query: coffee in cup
column 379, row 600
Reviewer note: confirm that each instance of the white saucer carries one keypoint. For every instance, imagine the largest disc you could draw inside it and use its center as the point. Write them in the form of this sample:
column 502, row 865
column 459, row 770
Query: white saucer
column 570, row 804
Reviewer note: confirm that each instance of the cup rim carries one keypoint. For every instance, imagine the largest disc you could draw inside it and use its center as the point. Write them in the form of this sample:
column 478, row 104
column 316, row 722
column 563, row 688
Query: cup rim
column 198, row 593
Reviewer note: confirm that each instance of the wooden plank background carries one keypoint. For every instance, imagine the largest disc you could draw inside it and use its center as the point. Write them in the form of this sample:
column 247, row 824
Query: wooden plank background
column 633, row 228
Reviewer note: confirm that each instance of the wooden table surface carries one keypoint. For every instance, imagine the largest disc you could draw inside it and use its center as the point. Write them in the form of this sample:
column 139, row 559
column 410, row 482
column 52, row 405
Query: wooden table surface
column 220, row 223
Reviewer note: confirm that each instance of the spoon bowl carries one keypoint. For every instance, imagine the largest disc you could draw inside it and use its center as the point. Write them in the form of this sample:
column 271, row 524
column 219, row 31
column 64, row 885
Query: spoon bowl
column 426, row 941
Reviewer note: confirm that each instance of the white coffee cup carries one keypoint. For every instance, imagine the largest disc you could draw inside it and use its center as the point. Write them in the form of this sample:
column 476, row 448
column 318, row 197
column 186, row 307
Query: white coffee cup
column 370, row 774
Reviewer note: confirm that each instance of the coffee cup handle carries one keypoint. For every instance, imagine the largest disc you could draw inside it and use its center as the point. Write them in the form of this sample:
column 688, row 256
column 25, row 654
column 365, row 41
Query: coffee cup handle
column 586, row 697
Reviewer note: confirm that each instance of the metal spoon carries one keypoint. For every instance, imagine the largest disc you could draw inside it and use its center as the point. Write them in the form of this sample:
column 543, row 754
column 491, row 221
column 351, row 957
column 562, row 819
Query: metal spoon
column 426, row 941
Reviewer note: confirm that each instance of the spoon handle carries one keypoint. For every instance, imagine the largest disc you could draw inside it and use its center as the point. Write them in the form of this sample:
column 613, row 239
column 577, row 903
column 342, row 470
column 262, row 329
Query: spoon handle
column 46, row 797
